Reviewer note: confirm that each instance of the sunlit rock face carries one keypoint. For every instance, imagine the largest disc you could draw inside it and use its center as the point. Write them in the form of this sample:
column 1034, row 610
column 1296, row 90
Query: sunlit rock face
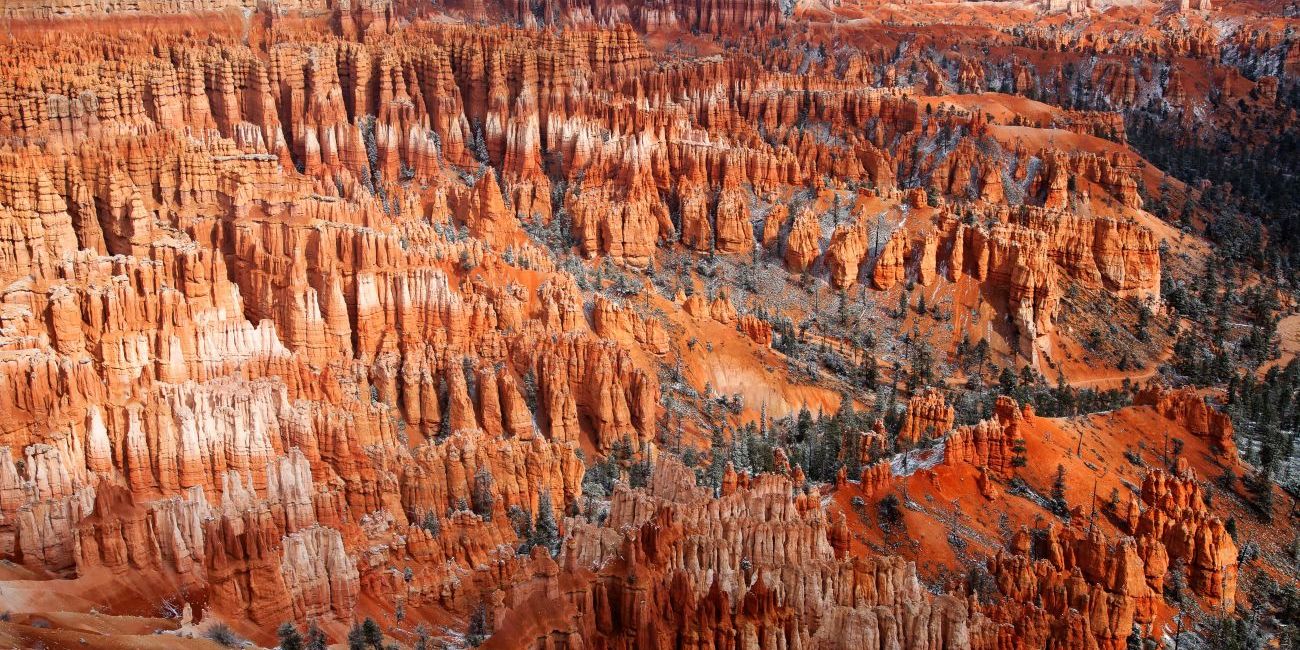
column 325, row 311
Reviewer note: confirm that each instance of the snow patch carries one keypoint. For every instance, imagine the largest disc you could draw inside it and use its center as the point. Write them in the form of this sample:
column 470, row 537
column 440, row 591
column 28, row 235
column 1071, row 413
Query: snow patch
column 907, row 463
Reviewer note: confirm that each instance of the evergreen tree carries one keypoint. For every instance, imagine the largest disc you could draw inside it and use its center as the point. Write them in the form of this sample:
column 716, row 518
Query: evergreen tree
column 922, row 367
column 622, row 450
column 1261, row 492
column 373, row 636
column 315, row 638
column 546, row 532
column 638, row 475
column 803, row 425
column 888, row 512
column 356, row 638
column 431, row 524
column 1143, row 322
column 478, row 626
column 847, row 439
column 289, row 637
column 529, row 389
column 1007, row 380
column 981, row 352
column 477, row 144
column 870, row 372
column 1235, row 633
column 740, row 448
column 423, row 639
column 1134, row 641
column 717, row 459
column 522, row 523
column 1059, row 504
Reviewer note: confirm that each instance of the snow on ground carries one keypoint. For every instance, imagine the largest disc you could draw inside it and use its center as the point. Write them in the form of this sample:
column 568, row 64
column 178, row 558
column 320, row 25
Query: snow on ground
column 907, row 463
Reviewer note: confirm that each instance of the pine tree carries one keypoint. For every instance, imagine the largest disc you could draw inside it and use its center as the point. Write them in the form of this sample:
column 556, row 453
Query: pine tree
column 423, row 639
column 478, row 626
column 356, row 638
column 1134, row 641
column 477, row 144
column 981, row 352
column 888, row 512
column 1236, row 633
column 315, row 638
column 371, row 634
column 1058, row 492
column 803, row 424
column 522, row 522
column 1007, row 380
column 870, row 372
column 718, row 455
column 622, row 450
column 289, row 637
column 922, row 373
column 546, row 532
column 1260, row 486
column 431, row 524
column 1143, row 322
column 638, row 475
column 529, row 388
column 740, row 448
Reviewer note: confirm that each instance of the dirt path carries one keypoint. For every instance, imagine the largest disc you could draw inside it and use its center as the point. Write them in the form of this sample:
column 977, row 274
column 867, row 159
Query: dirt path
column 1117, row 380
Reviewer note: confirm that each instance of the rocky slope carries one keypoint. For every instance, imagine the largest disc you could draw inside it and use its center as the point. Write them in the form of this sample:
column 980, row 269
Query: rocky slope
column 309, row 311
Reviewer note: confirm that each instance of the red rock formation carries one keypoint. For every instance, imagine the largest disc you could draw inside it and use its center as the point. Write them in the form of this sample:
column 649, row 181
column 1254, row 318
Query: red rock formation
column 1192, row 411
column 287, row 303
column 928, row 416
column 802, row 246
column 1086, row 592
column 891, row 265
column 760, row 331
column 990, row 444
column 1177, row 518
column 613, row 321
column 847, row 249
column 735, row 233
column 485, row 213
column 747, row 579
column 876, row 478
column 773, row 224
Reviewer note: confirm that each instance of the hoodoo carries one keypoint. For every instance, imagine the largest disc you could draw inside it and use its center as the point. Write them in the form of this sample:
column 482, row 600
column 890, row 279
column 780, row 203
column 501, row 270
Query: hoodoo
column 624, row 324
